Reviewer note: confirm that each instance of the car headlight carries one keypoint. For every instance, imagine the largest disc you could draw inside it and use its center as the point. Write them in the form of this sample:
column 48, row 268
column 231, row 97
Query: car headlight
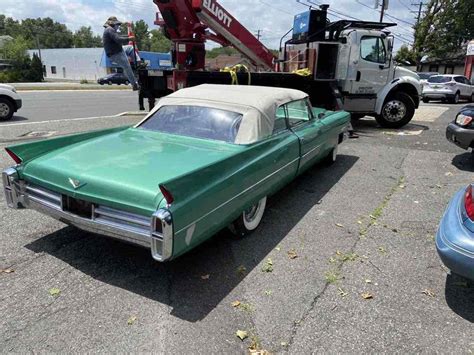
column 463, row 120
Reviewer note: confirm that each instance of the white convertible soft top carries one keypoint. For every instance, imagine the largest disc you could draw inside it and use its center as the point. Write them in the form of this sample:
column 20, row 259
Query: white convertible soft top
column 257, row 104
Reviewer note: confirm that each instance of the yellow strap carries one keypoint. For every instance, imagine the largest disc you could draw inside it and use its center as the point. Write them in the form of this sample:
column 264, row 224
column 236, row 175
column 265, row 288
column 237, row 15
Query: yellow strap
column 233, row 73
column 302, row 72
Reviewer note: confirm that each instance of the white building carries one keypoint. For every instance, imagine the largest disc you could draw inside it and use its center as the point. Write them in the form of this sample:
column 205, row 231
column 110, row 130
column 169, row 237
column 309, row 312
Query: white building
column 72, row 63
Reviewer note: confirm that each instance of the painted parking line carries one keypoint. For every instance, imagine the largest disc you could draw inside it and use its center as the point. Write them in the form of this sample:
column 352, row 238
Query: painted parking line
column 76, row 119
column 429, row 113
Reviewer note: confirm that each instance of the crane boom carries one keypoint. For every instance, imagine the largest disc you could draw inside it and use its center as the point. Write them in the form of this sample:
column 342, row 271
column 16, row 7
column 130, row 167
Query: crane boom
column 187, row 23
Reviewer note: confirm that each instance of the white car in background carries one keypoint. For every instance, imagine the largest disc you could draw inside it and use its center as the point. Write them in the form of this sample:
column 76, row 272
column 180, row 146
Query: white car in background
column 10, row 102
column 424, row 76
column 448, row 87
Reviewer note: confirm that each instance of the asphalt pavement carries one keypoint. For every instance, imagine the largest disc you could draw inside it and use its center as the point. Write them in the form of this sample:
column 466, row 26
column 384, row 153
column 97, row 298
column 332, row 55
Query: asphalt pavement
column 59, row 105
column 366, row 276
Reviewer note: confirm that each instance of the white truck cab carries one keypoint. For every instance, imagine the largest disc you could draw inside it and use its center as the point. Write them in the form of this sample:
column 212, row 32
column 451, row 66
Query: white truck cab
column 10, row 102
column 373, row 84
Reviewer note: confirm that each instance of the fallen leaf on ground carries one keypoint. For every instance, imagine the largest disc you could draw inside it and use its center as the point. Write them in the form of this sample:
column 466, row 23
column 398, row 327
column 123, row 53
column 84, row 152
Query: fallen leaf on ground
column 382, row 250
column 54, row 291
column 367, row 296
column 205, row 277
column 268, row 267
column 428, row 292
column 241, row 334
column 292, row 254
column 339, row 225
column 268, row 292
column 359, row 222
column 6, row 271
column 258, row 352
column 368, row 281
column 449, row 174
column 277, row 248
column 131, row 320
column 235, row 303
column 284, row 344
column 241, row 270
column 372, row 216
column 342, row 293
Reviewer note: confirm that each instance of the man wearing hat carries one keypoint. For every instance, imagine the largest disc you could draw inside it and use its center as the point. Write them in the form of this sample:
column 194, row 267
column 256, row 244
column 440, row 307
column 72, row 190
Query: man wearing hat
column 113, row 48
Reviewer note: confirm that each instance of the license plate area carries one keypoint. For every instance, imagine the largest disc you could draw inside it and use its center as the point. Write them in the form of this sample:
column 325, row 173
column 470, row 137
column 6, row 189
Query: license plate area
column 77, row 207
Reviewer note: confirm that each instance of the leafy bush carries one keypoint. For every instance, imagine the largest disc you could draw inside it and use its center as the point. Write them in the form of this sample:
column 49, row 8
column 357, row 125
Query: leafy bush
column 84, row 81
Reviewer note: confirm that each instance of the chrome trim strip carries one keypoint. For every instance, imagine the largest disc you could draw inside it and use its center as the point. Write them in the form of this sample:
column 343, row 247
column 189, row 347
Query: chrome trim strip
column 40, row 191
column 121, row 215
column 310, row 151
column 43, row 202
column 10, row 181
column 162, row 243
column 239, row 194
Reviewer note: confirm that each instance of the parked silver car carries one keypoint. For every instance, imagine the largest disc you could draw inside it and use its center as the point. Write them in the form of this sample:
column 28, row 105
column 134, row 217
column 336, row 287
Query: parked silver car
column 448, row 87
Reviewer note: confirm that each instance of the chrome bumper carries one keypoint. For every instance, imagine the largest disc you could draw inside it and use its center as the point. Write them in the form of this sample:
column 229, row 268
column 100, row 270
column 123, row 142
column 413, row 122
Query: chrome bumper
column 155, row 232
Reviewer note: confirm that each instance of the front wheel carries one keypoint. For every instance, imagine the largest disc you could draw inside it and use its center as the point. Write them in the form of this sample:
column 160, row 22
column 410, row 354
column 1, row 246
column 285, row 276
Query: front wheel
column 397, row 111
column 6, row 109
column 250, row 219
column 426, row 100
column 331, row 158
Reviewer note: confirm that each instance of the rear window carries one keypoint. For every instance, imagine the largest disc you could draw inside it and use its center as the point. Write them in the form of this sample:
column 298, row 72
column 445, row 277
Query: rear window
column 425, row 76
column 195, row 121
column 439, row 79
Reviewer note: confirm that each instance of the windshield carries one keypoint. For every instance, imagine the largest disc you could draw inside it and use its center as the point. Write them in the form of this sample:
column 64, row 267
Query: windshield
column 195, row 121
column 439, row 79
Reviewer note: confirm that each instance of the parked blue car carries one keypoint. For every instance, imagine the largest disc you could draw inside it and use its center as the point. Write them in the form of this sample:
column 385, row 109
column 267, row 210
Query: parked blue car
column 455, row 237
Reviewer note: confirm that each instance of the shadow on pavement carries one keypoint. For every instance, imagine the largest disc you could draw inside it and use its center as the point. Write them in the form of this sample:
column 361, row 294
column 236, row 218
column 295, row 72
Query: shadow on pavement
column 16, row 118
column 180, row 283
column 459, row 293
column 464, row 161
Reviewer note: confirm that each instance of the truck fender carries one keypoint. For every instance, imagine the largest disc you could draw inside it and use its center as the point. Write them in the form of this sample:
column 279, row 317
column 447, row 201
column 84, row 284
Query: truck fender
column 405, row 84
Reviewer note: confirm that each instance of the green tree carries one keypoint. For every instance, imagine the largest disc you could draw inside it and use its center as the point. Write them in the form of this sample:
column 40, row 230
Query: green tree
column 85, row 38
column 158, row 42
column 16, row 52
column 213, row 53
column 405, row 55
column 35, row 73
column 142, row 35
column 445, row 26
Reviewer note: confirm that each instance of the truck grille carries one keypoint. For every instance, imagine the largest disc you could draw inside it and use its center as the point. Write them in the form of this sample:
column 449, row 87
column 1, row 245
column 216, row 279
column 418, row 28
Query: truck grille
column 100, row 214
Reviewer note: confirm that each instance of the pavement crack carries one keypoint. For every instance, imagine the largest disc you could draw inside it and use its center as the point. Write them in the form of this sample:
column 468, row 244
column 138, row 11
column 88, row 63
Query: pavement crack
column 372, row 221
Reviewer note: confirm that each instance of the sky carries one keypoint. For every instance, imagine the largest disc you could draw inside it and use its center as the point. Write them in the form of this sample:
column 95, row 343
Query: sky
column 272, row 17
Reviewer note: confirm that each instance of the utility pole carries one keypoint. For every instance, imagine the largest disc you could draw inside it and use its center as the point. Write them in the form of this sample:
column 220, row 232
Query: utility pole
column 258, row 34
column 383, row 10
column 420, row 7
column 39, row 48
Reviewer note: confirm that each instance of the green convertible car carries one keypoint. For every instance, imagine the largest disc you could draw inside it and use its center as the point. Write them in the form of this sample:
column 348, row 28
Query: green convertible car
column 205, row 158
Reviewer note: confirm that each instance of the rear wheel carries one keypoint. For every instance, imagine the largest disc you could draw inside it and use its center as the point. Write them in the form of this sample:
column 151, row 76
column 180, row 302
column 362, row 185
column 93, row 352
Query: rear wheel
column 331, row 157
column 397, row 111
column 455, row 99
column 250, row 219
column 6, row 109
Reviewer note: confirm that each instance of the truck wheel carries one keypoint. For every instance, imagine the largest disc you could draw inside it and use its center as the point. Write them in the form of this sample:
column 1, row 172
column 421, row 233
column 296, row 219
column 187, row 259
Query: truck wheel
column 250, row 219
column 6, row 109
column 397, row 111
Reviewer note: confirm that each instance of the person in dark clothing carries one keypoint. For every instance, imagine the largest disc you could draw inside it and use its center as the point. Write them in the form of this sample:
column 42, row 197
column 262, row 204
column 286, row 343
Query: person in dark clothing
column 113, row 48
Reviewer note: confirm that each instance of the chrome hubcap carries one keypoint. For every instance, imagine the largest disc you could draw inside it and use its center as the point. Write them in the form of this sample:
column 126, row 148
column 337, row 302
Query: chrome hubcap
column 4, row 110
column 394, row 111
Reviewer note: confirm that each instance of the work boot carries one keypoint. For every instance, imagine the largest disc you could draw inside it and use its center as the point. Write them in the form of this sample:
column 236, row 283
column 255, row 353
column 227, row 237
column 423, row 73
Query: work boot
column 136, row 87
